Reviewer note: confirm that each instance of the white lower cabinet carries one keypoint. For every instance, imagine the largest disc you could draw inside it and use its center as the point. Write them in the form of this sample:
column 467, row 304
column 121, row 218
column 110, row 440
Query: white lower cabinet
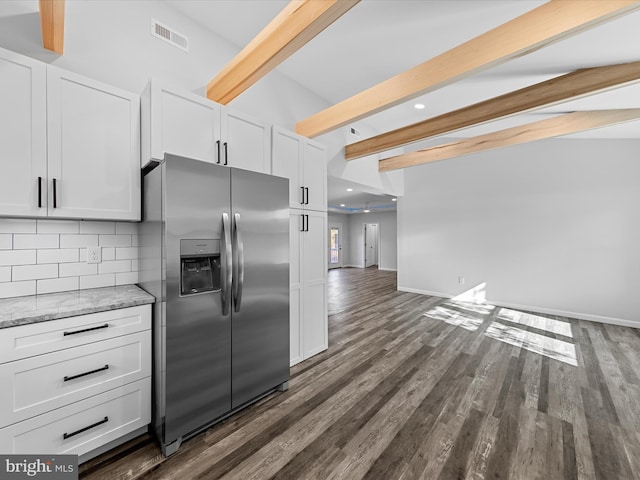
column 77, row 384
column 308, row 279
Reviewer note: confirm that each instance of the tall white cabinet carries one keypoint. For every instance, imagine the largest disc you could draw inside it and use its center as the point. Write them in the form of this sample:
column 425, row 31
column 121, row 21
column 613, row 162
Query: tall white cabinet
column 182, row 123
column 303, row 161
column 70, row 145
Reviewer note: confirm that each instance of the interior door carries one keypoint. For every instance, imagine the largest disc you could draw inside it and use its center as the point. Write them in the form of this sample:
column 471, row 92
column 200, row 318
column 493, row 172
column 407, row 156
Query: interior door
column 370, row 244
column 260, row 318
column 198, row 332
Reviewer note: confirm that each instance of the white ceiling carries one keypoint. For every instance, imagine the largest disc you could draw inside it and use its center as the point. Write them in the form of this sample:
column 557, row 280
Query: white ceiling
column 377, row 39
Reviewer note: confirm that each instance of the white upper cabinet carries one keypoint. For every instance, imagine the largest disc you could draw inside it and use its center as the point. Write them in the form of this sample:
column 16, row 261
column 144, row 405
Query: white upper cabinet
column 304, row 163
column 246, row 141
column 62, row 129
column 93, row 149
column 182, row 123
column 23, row 136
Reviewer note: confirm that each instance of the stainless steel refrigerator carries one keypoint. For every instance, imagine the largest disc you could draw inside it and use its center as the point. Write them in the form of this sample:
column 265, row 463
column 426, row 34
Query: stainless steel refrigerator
column 214, row 251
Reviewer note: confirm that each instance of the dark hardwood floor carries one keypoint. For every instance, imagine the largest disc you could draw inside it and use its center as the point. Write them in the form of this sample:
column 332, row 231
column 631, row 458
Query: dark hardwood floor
column 414, row 387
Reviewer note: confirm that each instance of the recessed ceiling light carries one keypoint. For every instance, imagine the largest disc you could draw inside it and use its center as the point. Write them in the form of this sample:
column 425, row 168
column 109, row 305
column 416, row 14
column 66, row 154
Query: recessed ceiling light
column 394, row 199
column 349, row 189
column 419, row 106
column 342, row 205
column 367, row 211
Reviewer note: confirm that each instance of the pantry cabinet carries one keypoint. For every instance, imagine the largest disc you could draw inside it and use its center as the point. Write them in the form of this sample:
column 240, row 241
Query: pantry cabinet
column 70, row 145
column 304, row 163
column 308, row 281
column 182, row 123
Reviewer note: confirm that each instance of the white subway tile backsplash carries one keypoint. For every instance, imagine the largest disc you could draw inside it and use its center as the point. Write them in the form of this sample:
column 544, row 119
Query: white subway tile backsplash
column 115, row 240
column 17, row 225
column 34, row 272
column 126, row 228
column 25, row 241
column 96, row 281
column 5, row 274
column 6, row 241
column 57, row 285
column 78, row 269
column 98, row 227
column 57, row 226
column 17, row 289
column 126, row 253
column 60, row 255
column 47, row 255
column 114, row 266
column 17, row 257
column 126, row 278
column 78, row 241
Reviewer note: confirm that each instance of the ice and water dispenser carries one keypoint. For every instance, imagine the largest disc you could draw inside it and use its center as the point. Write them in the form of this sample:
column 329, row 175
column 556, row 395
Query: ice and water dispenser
column 199, row 266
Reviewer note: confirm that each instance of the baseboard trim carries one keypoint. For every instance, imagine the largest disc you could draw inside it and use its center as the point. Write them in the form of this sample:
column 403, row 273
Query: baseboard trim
column 530, row 308
column 388, row 269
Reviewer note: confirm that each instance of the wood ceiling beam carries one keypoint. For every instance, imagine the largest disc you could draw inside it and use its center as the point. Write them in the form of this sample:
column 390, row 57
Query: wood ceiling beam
column 577, row 84
column 553, row 21
column 292, row 28
column 549, row 128
column 52, row 24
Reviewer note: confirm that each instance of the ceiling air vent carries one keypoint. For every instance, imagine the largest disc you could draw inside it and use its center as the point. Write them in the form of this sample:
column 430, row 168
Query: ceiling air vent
column 169, row 35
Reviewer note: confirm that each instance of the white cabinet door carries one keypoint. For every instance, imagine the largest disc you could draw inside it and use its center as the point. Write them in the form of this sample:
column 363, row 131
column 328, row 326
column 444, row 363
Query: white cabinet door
column 246, row 141
column 285, row 162
column 93, row 149
column 181, row 123
column 314, row 284
column 304, row 163
column 295, row 283
column 315, row 175
column 23, row 135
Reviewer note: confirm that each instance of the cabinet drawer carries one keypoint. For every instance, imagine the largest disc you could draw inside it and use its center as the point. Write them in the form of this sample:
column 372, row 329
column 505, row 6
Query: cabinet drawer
column 125, row 409
column 39, row 384
column 44, row 337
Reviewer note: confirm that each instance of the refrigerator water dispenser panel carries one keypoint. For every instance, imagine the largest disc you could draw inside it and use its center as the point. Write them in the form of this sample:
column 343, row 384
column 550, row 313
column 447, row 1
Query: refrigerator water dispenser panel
column 199, row 266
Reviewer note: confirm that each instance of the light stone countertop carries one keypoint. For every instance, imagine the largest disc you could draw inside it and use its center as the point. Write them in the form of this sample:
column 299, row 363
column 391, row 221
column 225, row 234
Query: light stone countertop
column 51, row 306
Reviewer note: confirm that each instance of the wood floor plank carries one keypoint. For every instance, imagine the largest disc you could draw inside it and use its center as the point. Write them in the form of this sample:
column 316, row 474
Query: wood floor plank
column 416, row 386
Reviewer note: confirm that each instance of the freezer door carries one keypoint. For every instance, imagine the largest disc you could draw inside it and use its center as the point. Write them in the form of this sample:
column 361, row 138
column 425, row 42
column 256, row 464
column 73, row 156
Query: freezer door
column 198, row 333
column 260, row 313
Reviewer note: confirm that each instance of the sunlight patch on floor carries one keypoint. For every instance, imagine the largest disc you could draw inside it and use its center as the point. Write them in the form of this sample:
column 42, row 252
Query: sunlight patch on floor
column 534, row 342
column 454, row 317
column 536, row 321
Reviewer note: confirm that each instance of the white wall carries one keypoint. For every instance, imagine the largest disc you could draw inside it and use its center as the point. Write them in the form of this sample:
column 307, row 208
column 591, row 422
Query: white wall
column 387, row 231
column 553, row 226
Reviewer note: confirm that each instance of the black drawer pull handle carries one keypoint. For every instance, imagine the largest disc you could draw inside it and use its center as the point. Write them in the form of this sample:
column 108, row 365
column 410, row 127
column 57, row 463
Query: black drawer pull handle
column 226, row 154
column 69, row 435
column 73, row 377
column 218, row 146
column 55, row 194
column 106, row 325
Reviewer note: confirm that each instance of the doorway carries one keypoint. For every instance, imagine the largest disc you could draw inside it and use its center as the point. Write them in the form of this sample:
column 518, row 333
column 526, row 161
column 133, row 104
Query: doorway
column 335, row 245
column 371, row 242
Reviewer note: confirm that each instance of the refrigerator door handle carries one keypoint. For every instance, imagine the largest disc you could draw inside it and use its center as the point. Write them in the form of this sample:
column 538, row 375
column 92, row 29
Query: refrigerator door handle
column 238, row 264
column 226, row 264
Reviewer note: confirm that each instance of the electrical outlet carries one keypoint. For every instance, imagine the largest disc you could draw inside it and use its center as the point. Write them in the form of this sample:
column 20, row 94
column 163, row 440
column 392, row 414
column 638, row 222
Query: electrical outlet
column 94, row 254
column 460, row 280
